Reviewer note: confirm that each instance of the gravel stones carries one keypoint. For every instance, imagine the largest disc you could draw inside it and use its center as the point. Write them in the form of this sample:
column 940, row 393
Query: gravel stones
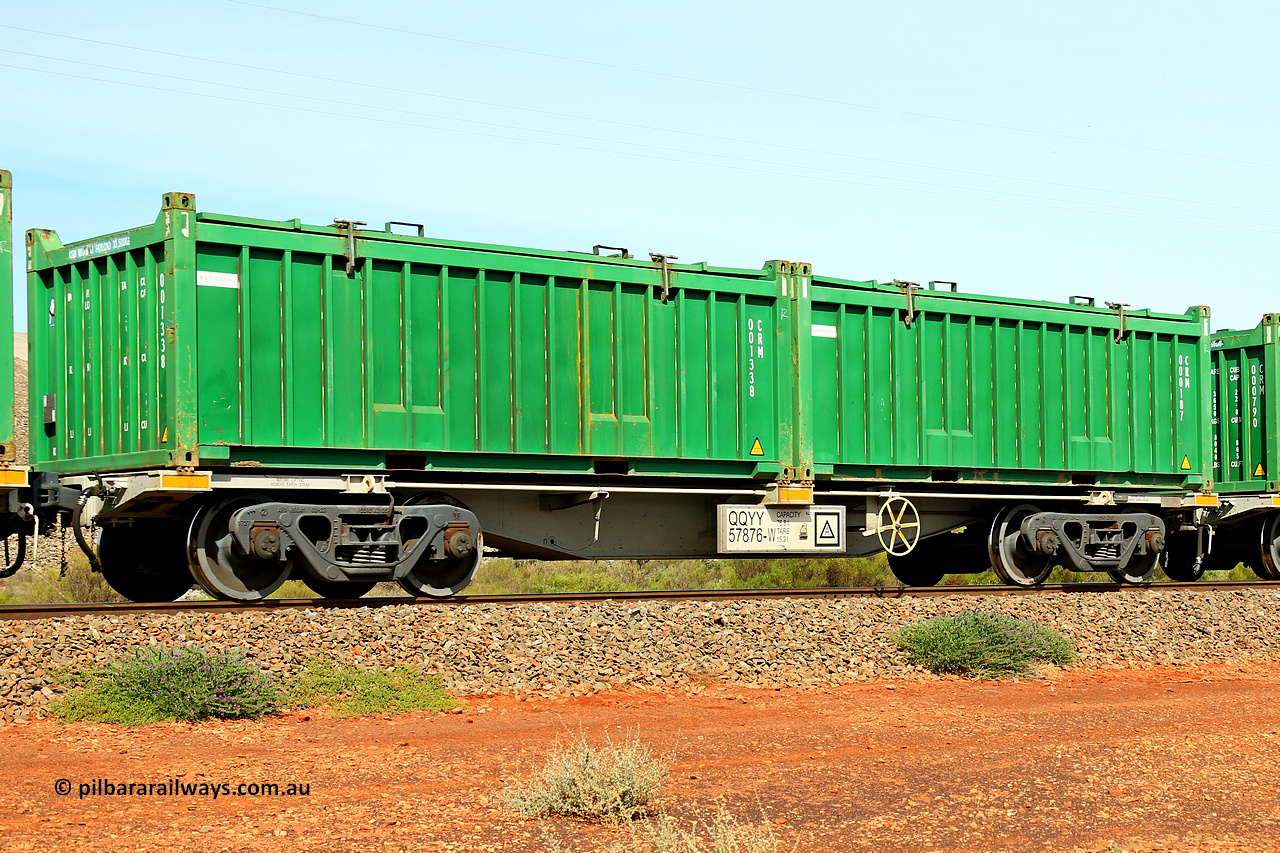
column 671, row 645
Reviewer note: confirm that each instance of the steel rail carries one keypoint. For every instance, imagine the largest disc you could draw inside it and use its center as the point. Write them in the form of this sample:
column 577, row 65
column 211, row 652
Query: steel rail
column 62, row 610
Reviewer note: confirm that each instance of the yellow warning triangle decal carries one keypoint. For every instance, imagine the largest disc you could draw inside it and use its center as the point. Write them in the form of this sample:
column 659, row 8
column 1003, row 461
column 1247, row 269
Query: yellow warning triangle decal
column 1186, row 463
column 757, row 449
column 1259, row 471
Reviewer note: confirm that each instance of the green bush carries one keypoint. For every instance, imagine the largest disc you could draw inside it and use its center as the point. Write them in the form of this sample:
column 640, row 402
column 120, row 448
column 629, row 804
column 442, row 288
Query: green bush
column 509, row 577
column 809, row 573
column 610, row 782
column 983, row 644
column 588, row 581
column 42, row 581
column 294, row 589
column 349, row 690
column 185, row 683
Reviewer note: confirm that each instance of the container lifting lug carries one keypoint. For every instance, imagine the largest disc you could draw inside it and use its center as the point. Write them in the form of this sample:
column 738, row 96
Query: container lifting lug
column 622, row 251
column 422, row 229
column 661, row 260
column 350, row 225
column 908, row 288
column 1121, row 331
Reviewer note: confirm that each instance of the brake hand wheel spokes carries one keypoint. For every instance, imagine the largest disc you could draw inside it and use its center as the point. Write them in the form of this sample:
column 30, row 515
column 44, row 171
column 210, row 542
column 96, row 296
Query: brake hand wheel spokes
column 898, row 527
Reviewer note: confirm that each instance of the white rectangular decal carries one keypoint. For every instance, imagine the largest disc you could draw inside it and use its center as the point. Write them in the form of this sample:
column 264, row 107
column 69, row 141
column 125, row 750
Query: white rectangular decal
column 204, row 278
column 767, row 529
column 821, row 331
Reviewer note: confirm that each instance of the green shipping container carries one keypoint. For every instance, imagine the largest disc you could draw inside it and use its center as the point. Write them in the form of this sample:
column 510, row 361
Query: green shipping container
column 931, row 384
column 216, row 340
column 1246, row 453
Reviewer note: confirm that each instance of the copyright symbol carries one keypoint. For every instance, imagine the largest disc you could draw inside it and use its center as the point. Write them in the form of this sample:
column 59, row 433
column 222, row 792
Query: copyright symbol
column 62, row 787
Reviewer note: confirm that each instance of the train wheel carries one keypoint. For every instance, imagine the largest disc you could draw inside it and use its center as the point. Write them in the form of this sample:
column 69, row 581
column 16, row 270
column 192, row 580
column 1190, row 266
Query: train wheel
column 1223, row 557
column 1268, row 568
column 1180, row 558
column 961, row 551
column 217, row 563
column 1011, row 559
column 442, row 578
column 143, row 561
column 927, row 563
column 1140, row 569
column 338, row 589
column 916, row 569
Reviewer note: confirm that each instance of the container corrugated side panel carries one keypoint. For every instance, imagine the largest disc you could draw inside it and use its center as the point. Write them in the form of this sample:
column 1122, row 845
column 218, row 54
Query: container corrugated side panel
column 984, row 386
column 97, row 314
column 1245, row 452
column 510, row 357
column 7, row 401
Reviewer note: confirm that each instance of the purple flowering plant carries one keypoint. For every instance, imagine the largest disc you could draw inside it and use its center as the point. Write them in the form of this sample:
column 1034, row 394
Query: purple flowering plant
column 191, row 683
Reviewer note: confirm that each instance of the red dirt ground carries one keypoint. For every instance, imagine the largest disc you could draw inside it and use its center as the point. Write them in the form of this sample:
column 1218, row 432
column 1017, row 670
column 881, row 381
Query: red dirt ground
column 1163, row 759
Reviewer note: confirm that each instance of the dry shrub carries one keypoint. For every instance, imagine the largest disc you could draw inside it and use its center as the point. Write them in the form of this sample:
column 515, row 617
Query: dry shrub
column 612, row 782
column 723, row 834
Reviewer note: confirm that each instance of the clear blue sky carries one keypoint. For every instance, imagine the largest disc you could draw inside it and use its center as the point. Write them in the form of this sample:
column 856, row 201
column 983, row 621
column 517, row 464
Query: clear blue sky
column 1123, row 150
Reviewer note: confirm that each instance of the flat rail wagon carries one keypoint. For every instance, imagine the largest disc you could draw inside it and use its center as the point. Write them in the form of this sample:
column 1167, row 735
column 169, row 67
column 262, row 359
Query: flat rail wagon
column 256, row 400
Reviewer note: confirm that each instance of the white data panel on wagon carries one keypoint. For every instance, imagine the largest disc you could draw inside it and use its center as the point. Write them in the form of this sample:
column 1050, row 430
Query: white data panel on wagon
column 758, row 529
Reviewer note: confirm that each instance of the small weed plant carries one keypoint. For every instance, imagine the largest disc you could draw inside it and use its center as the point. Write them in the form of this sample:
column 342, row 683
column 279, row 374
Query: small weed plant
column 983, row 644
column 723, row 834
column 349, row 690
column 613, row 782
column 184, row 683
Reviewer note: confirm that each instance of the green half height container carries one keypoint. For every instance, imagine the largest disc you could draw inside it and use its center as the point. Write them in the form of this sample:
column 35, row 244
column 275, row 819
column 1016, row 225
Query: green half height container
column 1245, row 417
column 209, row 340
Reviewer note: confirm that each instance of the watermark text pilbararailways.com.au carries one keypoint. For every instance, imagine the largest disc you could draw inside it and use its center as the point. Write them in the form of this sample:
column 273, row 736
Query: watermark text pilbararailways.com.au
column 177, row 788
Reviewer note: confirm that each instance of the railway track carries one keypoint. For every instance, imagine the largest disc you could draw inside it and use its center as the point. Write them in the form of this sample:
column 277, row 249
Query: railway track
column 54, row 611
